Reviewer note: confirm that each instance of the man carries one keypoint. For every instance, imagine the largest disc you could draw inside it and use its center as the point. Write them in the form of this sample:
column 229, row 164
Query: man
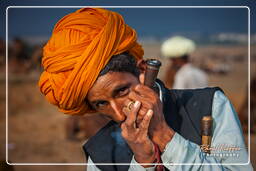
column 93, row 63
column 177, row 49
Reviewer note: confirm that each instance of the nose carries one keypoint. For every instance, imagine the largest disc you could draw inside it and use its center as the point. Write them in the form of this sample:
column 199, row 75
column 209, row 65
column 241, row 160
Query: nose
column 117, row 107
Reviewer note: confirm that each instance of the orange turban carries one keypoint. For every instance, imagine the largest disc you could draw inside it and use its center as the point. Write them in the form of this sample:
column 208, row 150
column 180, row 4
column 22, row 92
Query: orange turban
column 81, row 45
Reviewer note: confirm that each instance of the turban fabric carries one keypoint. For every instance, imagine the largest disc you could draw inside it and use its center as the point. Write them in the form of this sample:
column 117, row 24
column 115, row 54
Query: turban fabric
column 177, row 46
column 81, row 45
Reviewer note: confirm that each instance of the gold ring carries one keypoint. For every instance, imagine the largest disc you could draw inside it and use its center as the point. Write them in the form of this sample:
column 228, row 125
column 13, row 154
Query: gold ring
column 129, row 106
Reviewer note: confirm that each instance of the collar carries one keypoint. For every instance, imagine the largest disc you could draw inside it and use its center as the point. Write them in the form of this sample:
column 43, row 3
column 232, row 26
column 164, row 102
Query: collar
column 160, row 91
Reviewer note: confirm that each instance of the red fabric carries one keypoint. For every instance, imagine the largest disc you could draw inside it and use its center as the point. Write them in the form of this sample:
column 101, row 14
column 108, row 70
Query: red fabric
column 158, row 158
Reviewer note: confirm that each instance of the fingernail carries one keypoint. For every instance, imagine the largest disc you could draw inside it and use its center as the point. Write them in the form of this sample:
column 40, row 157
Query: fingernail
column 137, row 87
column 137, row 103
column 150, row 112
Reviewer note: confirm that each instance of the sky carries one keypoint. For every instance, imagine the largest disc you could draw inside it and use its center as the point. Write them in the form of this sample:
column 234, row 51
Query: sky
column 148, row 22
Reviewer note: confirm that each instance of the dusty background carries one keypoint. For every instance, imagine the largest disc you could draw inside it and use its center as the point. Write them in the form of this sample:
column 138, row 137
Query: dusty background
column 36, row 130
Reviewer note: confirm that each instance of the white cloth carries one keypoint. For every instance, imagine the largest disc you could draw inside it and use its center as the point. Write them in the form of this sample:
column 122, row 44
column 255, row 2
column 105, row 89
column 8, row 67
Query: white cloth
column 177, row 46
column 190, row 77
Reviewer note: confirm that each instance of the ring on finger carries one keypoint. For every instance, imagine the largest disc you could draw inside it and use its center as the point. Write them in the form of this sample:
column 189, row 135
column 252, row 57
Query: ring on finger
column 130, row 104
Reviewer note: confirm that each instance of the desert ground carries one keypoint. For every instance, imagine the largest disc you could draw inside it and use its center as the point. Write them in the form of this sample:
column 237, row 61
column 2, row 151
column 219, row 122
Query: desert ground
column 36, row 129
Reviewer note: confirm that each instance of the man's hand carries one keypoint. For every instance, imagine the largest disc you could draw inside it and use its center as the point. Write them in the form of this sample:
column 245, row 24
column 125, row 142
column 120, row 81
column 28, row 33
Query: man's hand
column 159, row 131
column 137, row 137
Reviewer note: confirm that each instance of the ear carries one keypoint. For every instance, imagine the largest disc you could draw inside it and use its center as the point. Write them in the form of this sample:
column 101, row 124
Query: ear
column 141, row 64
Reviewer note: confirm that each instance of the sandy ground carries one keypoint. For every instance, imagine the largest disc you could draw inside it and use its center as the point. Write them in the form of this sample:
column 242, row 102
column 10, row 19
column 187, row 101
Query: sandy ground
column 36, row 132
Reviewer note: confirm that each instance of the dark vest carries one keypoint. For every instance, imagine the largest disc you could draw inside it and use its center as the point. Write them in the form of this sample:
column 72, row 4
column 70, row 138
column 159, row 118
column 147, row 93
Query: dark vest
column 183, row 111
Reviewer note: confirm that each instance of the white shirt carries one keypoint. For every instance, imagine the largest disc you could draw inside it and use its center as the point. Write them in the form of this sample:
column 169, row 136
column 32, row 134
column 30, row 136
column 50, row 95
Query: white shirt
column 190, row 77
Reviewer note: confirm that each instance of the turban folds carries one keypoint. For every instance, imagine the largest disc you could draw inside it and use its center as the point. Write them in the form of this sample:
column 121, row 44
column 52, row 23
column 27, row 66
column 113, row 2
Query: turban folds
column 177, row 46
column 81, row 45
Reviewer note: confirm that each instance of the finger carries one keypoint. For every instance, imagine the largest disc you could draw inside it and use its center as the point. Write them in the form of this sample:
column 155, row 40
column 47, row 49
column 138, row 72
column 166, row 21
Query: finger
column 144, row 90
column 131, row 117
column 143, row 127
column 123, row 127
column 146, row 102
column 127, row 102
column 126, row 111
column 145, row 106
column 124, row 130
column 142, row 112
column 134, row 96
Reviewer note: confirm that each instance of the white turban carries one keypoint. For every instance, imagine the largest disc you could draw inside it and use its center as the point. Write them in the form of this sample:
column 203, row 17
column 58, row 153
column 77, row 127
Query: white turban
column 177, row 47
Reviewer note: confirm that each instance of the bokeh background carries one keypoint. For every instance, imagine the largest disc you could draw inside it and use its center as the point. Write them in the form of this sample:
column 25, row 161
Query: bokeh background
column 39, row 133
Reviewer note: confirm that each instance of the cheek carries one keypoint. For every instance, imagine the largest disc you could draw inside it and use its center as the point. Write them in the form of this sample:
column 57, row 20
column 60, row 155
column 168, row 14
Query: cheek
column 115, row 109
column 106, row 110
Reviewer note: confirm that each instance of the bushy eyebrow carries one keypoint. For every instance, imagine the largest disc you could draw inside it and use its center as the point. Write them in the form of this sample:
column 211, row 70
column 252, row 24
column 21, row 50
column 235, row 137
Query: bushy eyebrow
column 114, row 92
column 117, row 89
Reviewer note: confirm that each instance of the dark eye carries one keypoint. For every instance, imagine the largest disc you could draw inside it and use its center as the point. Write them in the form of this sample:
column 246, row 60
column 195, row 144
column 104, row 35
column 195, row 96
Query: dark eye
column 123, row 91
column 101, row 104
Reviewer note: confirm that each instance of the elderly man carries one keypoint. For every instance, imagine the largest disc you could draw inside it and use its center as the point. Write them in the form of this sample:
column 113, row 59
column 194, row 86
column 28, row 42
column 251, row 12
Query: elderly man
column 93, row 63
column 178, row 49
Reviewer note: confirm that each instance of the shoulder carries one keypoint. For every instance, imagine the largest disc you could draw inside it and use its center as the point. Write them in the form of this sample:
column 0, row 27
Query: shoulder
column 199, row 101
column 222, row 107
column 195, row 93
column 220, row 96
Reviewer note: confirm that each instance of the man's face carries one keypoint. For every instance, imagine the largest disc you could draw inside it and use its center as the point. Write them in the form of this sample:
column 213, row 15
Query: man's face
column 109, row 93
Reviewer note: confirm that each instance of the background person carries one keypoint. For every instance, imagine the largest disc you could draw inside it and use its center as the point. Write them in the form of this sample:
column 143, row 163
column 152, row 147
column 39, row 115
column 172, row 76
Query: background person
column 185, row 75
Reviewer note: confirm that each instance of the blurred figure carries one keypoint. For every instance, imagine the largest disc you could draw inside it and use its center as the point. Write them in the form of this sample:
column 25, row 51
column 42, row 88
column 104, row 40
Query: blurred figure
column 5, row 167
column 2, row 55
column 185, row 75
column 84, row 127
column 214, row 67
column 19, row 61
column 36, row 58
column 243, row 113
